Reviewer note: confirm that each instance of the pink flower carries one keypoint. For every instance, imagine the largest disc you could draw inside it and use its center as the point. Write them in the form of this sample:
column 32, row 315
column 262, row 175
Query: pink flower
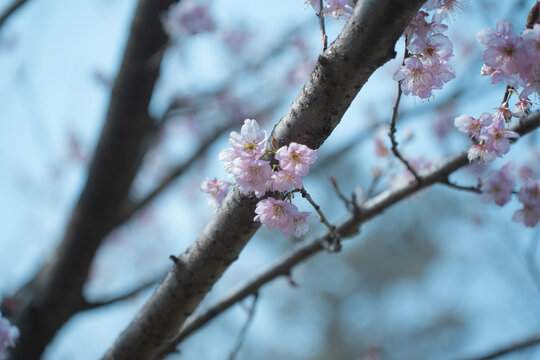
column 498, row 185
column 522, row 107
column 529, row 215
column 284, row 216
column 448, row 8
column 8, row 335
column 471, row 126
column 502, row 51
column 249, row 144
column 416, row 78
column 498, row 138
column 503, row 112
column 338, row 8
column 315, row 4
column 276, row 214
column 284, row 181
column 529, row 193
column 299, row 226
column 252, row 175
column 296, row 158
column 481, row 154
column 435, row 46
column 187, row 18
column 217, row 188
column 419, row 27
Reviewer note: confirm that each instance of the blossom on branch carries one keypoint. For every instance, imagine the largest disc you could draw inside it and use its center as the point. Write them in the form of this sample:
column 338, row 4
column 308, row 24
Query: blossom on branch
column 217, row 188
column 8, row 335
column 498, row 185
column 296, row 158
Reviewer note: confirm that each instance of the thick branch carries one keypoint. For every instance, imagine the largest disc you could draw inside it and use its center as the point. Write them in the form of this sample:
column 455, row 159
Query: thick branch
column 366, row 43
column 55, row 294
column 349, row 227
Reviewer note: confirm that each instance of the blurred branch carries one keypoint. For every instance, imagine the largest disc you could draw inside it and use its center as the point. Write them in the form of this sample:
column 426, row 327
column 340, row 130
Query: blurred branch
column 366, row 43
column 533, row 340
column 245, row 328
column 348, row 228
column 14, row 6
column 49, row 299
column 89, row 305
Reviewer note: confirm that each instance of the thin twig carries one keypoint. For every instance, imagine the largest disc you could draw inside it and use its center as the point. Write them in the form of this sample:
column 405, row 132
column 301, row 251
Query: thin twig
column 518, row 346
column 88, row 305
column 474, row 189
column 245, row 328
column 335, row 245
column 392, row 135
column 324, row 37
column 392, row 132
column 349, row 204
column 371, row 189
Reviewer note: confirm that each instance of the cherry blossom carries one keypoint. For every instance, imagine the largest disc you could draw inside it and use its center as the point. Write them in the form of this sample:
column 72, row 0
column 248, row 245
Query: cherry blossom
column 189, row 18
column 284, row 181
column 8, row 335
column 416, row 78
column 276, row 214
column 249, row 144
column 300, row 224
column 252, row 175
column 296, row 158
column 498, row 185
column 338, row 8
column 217, row 188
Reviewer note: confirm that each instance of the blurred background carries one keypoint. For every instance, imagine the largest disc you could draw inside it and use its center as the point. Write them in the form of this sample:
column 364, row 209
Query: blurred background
column 438, row 276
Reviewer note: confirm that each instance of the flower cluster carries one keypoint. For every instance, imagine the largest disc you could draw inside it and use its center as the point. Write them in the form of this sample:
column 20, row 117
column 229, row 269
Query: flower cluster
column 187, row 17
column 489, row 134
column 8, row 335
column 511, row 58
column 245, row 161
column 426, row 66
column 498, row 187
column 334, row 8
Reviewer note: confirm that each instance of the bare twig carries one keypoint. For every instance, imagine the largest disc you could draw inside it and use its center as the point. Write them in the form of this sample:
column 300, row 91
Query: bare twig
column 517, row 346
column 88, row 305
column 335, row 245
column 349, row 204
column 245, row 328
column 15, row 5
column 324, row 37
column 392, row 135
column 474, row 189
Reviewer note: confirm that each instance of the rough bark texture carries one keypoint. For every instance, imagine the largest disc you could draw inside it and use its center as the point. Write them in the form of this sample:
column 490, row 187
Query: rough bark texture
column 55, row 293
column 366, row 43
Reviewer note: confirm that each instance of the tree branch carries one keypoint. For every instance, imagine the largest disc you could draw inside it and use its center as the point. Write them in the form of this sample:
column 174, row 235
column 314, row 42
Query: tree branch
column 349, row 227
column 366, row 42
column 55, row 293
column 533, row 340
column 14, row 6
